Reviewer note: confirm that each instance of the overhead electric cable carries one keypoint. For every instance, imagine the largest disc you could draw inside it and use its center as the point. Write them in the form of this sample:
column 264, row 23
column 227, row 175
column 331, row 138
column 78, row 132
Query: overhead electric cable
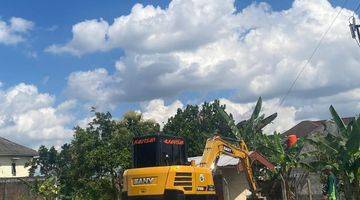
column 357, row 8
column 312, row 54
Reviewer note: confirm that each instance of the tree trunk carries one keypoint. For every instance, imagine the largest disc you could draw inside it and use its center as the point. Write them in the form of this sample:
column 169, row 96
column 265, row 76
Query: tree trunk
column 283, row 187
column 116, row 194
column 356, row 186
column 309, row 189
column 348, row 189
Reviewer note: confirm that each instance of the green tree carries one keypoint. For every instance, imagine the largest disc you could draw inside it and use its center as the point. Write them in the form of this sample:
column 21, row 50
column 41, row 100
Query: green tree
column 134, row 123
column 90, row 166
column 196, row 124
column 342, row 152
column 47, row 163
column 101, row 151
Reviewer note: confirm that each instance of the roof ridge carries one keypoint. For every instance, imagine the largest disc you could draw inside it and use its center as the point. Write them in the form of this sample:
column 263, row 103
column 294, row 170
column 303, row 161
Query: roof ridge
column 9, row 147
column 15, row 143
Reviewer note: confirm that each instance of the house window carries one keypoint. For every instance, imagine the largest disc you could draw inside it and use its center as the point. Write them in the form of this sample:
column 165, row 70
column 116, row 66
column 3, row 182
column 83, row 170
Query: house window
column 13, row 169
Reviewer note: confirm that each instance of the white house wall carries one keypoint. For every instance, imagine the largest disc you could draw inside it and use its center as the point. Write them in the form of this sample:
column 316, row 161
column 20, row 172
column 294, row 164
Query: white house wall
column 5, row 167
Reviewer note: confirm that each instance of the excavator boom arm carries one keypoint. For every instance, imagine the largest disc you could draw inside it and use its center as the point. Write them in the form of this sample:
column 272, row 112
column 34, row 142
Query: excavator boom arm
column 217, row 146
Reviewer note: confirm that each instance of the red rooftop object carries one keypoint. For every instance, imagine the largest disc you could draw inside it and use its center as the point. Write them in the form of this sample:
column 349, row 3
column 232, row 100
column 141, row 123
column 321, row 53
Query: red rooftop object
column 292, row 139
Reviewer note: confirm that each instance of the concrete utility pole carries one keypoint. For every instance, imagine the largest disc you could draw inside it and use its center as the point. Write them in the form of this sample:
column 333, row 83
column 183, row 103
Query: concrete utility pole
column 354, row 29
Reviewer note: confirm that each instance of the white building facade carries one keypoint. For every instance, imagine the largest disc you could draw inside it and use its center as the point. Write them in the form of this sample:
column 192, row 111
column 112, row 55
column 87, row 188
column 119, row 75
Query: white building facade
column 13, row 158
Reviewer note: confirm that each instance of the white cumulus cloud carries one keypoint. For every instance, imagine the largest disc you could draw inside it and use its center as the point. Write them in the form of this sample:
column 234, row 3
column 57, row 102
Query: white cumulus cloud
column 15, row 30
column 96, row 86
column 152, row 29
column 284, row 121
column 158, row 111
column 31, row 118
column 89, row 36
column 207, row 45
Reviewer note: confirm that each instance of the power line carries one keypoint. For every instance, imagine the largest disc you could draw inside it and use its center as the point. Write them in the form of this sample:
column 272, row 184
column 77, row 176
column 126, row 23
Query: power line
column 357, row 8
column 312, row 54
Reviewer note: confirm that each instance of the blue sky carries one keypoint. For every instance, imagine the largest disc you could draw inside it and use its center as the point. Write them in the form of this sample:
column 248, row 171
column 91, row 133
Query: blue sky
column 54, row 21
column 53, row 24
column 182, row 68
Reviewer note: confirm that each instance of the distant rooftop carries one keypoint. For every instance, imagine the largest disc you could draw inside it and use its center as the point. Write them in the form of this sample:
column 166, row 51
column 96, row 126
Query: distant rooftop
column 9, row 148
column 305, row 128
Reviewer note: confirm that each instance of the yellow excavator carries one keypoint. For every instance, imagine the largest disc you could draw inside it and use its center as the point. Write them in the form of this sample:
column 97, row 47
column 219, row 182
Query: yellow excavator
column 161, row 169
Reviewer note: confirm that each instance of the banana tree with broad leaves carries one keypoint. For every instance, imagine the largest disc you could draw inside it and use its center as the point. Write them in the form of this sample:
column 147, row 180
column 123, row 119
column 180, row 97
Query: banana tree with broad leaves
column 286, row 158
column 272, row 146
column 341, row 151
column 250, row 130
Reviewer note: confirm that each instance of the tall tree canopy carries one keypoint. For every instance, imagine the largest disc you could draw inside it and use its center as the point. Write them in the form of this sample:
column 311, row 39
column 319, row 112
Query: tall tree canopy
column 197, row 123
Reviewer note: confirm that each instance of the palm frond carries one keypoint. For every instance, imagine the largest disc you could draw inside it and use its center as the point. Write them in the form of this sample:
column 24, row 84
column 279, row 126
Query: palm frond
column 337, row 119
column 257, row 109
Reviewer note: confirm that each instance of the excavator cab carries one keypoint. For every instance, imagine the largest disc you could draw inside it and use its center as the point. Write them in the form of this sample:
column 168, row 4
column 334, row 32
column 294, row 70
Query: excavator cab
column 158, row 150
column 161, row 171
